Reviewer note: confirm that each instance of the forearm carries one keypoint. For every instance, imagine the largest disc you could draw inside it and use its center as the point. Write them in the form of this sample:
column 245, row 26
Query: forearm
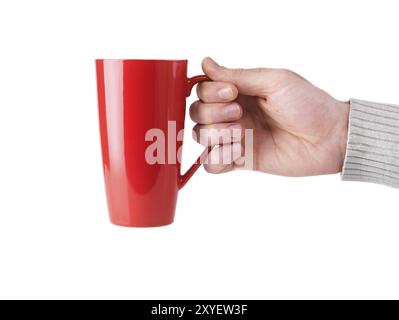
column 372, row 153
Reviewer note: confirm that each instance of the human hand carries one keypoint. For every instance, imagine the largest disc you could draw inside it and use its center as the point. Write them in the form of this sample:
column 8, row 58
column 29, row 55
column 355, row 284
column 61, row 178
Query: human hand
column 298, row 129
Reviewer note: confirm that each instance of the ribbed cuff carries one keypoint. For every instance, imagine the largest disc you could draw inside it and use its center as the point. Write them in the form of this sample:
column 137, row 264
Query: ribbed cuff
column 372, row 153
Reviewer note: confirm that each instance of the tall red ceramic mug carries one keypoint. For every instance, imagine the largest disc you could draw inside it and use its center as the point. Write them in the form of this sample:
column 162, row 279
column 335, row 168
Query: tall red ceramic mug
column 139, row 100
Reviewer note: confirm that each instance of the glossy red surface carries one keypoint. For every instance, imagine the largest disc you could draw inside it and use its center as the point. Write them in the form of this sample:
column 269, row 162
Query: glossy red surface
column 135, row 96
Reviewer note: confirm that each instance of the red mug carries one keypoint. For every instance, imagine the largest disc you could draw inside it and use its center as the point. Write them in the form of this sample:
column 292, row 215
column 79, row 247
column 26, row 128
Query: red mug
column 135, row 96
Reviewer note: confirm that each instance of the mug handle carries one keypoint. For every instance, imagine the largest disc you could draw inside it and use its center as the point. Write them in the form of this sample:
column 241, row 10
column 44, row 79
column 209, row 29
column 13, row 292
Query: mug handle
column 183, row 178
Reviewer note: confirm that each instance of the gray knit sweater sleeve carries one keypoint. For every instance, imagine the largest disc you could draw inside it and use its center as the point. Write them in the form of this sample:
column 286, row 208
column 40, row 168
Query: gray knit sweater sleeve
column 372, row 153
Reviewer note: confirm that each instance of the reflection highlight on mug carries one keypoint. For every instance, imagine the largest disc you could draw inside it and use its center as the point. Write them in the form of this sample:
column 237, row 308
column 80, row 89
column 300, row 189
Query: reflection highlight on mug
column 230, row 145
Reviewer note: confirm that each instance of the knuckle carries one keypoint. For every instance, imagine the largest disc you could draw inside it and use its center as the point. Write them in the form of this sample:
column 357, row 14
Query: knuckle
column 259, row 70
column 201, row 134
column 283, row 77
column 285, row 73
column 211, row 168
column 208, row 168
column 215, row 168
column 203, row 90
column 205, row 113
column 195, row 131
column 194, row 110
column 239, row 71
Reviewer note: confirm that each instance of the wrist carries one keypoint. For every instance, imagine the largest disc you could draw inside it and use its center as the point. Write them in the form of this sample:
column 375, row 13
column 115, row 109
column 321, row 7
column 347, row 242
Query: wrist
column 343, row 130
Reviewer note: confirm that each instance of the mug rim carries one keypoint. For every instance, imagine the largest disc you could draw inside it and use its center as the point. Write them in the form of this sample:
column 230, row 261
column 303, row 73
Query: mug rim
column 142, row 60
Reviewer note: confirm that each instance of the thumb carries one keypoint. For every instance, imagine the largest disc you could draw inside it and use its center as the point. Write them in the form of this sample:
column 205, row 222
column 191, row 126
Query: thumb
column 253, row 82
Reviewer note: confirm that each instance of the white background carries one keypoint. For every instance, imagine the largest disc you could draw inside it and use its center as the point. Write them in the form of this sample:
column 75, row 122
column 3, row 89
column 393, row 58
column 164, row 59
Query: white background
column 238, row 235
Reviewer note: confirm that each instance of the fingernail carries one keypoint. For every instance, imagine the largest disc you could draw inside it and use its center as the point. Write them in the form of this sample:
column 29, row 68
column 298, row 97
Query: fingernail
column 225, row 93
column 232, row 111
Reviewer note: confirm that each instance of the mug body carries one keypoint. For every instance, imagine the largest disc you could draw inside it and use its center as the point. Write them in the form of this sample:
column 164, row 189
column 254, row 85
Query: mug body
column 139, row 100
